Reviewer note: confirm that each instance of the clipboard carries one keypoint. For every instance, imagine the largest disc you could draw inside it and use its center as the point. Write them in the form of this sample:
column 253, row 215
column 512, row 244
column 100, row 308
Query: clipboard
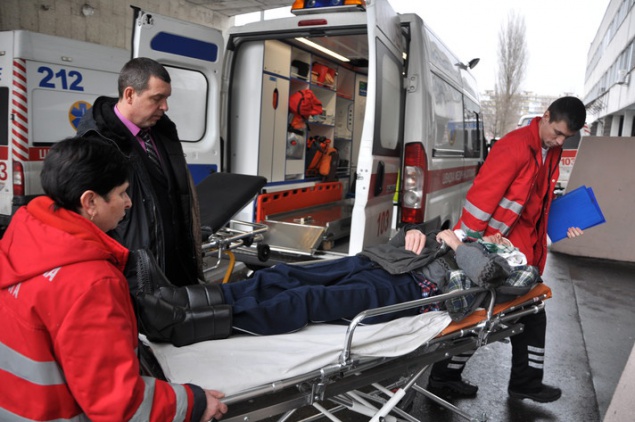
column 578, row 208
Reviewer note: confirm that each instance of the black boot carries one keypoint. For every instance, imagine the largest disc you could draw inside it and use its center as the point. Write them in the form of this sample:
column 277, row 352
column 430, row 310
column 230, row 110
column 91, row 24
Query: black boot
column 544, row 394
column 179, row 315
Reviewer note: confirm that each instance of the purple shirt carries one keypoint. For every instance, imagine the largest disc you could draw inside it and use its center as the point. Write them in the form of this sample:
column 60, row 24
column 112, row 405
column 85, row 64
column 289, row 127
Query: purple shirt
column 134, row 129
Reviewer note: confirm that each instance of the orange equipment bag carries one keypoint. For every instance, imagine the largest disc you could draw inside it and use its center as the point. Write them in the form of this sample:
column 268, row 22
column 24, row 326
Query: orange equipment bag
column 325, row 159
column 305, row 103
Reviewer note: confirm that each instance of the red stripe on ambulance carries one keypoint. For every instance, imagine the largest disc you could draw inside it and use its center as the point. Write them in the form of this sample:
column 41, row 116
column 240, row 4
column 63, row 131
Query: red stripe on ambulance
column 38, row 154
column 445, row 178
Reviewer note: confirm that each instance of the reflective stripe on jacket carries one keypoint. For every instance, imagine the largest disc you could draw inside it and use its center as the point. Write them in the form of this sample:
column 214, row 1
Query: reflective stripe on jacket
column 68, row 336
column 501, row 191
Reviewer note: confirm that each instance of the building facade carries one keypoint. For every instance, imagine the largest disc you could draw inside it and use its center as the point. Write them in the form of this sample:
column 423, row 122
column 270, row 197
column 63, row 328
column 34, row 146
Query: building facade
column 609, row 87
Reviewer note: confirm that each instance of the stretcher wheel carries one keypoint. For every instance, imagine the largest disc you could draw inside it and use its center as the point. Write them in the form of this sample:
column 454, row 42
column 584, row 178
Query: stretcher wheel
column 263, row 252
column 248, row 241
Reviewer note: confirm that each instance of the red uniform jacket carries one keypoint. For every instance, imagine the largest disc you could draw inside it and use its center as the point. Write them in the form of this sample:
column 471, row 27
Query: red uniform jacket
column 512, row 193
column 68, row 332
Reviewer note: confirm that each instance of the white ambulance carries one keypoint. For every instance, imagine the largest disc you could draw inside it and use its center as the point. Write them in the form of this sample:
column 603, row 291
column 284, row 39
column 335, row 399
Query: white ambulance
column 46, row 85
column 402, row 111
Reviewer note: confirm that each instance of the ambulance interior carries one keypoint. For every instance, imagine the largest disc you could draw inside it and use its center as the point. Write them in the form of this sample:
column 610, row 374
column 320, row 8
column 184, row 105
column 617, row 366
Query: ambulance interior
column 298, row 202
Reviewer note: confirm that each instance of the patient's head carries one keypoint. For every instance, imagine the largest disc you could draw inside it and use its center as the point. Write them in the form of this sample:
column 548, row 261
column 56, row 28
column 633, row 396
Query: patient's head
column 497, row 239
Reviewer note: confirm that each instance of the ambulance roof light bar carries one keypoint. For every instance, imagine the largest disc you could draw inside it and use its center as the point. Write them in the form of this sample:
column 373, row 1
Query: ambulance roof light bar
column 303, row 7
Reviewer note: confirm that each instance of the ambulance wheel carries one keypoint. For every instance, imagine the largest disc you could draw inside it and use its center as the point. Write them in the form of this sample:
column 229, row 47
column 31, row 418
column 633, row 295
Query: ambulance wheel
column 263, row 252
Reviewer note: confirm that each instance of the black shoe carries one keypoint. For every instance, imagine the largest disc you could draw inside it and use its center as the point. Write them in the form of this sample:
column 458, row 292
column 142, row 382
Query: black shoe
column 546, row 394
column 459, row 387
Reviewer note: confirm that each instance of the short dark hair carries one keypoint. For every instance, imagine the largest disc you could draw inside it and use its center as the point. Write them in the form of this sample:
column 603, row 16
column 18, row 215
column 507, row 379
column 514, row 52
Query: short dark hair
column 137, row 72
column 569, row 109
column 82, row 163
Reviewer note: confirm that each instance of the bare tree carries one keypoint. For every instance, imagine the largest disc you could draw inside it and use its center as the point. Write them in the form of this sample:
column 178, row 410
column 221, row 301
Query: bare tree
column 512, row 61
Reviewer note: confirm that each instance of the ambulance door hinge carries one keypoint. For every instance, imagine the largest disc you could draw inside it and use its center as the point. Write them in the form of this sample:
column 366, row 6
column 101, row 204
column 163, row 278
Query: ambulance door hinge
column 412, row 83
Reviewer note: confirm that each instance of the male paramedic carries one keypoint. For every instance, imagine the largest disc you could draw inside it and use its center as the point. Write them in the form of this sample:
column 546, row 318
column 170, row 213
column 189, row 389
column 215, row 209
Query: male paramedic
column 165, row 217
column 511, row 195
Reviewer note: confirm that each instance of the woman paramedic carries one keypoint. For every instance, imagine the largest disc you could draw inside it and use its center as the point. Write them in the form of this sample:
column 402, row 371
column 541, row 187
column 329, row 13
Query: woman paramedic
column 68, row 335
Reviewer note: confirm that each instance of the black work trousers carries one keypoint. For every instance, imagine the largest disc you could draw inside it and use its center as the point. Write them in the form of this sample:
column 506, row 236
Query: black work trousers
column 528, row 355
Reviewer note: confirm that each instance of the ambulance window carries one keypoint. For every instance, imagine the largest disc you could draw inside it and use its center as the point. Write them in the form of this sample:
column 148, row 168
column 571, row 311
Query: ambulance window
column 449, row 130
column 188, row 103
column 473, row 126
column 388, row 103
column 4, row 111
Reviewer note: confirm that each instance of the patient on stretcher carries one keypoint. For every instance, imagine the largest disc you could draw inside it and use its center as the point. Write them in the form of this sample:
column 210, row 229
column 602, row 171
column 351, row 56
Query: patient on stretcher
column 285, row 298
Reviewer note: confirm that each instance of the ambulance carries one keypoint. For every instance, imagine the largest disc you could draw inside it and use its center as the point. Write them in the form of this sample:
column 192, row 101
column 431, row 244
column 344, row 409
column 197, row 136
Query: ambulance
column 46, row 85
column 401, row 110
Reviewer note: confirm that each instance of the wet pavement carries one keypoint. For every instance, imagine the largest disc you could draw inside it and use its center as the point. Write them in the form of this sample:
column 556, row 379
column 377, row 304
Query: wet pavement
column 590, row 334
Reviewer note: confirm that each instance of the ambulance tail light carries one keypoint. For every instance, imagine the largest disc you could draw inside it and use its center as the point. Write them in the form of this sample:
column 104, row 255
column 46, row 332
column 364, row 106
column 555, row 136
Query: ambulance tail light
column 301, row 7
column 18, row 179
column 414, row 175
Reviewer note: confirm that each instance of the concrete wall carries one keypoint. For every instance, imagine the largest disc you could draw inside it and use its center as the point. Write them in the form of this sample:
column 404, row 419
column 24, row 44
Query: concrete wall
column 110, row 24
column 606, row 165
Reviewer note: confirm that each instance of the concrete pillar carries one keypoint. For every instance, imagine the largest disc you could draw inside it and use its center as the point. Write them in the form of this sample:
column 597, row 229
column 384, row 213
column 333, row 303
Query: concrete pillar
column 615, row 125
column 606, row 126
column 599, row 129
column 627, row 127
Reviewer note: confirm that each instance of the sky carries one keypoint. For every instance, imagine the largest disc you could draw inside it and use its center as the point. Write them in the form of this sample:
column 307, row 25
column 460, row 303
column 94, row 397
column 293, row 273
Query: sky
column 558, row 35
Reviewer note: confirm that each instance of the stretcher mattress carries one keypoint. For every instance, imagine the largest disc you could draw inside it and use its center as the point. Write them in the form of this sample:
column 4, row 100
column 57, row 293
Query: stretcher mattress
column 242, row 362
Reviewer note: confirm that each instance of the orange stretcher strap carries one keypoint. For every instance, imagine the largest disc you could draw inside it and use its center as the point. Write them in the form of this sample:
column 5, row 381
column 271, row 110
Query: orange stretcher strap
column 479, row 315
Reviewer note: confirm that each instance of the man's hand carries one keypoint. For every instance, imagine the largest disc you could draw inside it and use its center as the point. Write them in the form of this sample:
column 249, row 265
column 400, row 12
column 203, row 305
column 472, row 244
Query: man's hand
column 574, row 232
column 215, row 408
column 449, row 238
column 415, row 241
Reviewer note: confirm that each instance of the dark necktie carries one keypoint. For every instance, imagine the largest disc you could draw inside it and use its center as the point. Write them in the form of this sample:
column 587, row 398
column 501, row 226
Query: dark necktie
column 144, row 134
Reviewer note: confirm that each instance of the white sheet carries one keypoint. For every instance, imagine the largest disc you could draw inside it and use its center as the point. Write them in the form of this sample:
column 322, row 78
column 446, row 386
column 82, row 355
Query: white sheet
column 241, row 362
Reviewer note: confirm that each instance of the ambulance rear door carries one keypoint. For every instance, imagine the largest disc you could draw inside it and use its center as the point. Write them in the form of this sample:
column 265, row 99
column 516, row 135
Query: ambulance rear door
column 194, row 62
column 380, row 151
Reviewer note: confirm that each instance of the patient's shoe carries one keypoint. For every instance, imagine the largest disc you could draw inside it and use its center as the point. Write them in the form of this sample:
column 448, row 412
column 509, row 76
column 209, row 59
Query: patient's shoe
column 545, row 394
column 458, row 387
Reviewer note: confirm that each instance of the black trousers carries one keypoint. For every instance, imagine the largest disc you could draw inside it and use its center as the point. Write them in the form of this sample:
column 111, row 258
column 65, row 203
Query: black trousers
column 528, row 355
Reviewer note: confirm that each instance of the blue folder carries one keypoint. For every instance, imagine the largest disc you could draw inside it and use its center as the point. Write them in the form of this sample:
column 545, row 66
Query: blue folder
column 577, row 208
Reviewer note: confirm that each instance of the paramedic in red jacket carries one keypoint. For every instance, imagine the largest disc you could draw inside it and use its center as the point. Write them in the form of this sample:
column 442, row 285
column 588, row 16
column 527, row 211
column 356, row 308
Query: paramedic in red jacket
column 511, row 195
column 68, row 333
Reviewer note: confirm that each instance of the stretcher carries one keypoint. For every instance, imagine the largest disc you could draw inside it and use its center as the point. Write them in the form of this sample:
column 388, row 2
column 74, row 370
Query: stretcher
column 220, row 197
column 372, row 370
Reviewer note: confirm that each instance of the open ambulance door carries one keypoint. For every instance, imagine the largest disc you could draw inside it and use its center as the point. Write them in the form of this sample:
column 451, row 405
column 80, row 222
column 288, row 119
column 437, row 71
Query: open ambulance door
column 380, row 153
column 193, row 55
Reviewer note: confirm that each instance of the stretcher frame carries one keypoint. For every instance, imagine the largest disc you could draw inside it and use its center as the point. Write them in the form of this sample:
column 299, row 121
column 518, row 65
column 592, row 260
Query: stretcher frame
column 381, row 388
column 353, row 382
column 341, row 382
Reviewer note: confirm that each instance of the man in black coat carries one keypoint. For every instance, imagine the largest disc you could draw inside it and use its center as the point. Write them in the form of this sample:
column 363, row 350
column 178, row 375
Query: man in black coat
column 163, row 219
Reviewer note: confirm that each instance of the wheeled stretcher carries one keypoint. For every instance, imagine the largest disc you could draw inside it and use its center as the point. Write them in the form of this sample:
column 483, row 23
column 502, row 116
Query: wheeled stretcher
column 368, row 369
column 220, row 197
